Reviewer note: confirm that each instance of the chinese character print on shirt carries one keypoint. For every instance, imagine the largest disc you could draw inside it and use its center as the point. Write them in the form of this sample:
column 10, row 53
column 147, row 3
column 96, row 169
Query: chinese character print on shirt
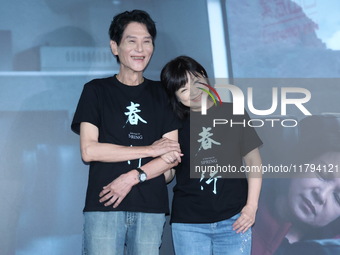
column 206, row 144
column 132, row 114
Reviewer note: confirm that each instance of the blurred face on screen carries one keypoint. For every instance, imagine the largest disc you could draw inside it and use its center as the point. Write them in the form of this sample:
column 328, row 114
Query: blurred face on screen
column 316, row 201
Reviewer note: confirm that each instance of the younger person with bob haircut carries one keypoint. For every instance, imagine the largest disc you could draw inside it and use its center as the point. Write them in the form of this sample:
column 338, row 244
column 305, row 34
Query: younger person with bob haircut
column 211, row 214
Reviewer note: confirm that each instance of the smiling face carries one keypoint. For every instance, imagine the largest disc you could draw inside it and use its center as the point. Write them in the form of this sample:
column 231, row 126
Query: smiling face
column 135, row 48
column 191, row 93
column 316, row 201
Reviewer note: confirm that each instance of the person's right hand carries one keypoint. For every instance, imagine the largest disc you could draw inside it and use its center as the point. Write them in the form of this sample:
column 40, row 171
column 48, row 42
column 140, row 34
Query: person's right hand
column 172, row 157
column 246, row 219
column 164, row 146
column 114, row 193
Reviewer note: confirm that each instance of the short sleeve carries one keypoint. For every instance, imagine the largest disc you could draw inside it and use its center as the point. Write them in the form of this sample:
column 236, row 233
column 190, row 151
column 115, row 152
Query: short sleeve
column 87, row 109
column 250, row 138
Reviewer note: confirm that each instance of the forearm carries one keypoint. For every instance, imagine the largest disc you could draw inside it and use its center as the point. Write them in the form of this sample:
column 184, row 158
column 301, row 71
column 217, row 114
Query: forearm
column 160, row 165
column 157, row 167
column 105, row 152
column 115, row 191
column 248, row 213
column 254, row 190
column 153, row 169
column 93, row 150
column 253, row 160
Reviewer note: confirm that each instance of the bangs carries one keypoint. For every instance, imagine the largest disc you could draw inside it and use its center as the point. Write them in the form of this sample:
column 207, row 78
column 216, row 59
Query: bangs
column 181, row 73
column 175, row 75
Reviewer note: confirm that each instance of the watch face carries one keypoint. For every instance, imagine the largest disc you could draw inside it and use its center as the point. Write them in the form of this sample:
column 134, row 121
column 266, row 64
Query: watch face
column 142, row 177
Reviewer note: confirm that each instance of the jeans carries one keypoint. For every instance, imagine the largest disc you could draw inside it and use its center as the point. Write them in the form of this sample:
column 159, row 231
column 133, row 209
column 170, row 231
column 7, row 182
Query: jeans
column 118, row 233
column 214, row 238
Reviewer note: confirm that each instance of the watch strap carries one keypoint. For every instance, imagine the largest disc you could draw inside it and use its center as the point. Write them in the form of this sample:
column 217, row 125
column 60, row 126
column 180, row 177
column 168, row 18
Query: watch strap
column 142, row 175
column 140, row 170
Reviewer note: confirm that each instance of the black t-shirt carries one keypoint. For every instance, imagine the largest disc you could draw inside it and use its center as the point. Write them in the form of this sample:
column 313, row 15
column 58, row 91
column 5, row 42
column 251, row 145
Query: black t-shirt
column 128, row 116
column 212, row 197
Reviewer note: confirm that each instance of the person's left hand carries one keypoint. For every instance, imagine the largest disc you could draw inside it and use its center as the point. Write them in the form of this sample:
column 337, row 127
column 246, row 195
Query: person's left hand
column 246, row 220
column 116, row 191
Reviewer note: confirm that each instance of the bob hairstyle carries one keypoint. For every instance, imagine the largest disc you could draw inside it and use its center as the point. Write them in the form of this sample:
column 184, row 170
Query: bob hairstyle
column 174, row 76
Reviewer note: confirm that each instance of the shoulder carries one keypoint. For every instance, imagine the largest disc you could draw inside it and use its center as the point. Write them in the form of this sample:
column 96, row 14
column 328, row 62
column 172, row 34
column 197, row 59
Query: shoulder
column 156, row 87
column 99, row 82
column 152, row 81
column 98, row 86
column 228, row 108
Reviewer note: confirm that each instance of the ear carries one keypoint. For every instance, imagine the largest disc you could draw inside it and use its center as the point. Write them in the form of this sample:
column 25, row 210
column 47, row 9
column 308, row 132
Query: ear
column 114, row 47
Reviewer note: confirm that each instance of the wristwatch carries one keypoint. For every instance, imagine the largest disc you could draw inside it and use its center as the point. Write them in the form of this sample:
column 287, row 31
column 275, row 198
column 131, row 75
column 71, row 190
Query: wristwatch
column 142, row 175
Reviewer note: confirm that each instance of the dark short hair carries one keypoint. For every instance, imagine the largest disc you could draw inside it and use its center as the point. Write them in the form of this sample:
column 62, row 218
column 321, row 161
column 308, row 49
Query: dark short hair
column 121, row 20
column 174, row 76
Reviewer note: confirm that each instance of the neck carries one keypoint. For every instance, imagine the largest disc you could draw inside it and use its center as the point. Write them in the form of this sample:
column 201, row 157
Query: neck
column 133, row 79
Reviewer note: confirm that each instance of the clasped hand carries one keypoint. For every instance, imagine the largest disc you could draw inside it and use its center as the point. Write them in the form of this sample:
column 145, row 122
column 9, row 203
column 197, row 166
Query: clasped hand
column 114, row 193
